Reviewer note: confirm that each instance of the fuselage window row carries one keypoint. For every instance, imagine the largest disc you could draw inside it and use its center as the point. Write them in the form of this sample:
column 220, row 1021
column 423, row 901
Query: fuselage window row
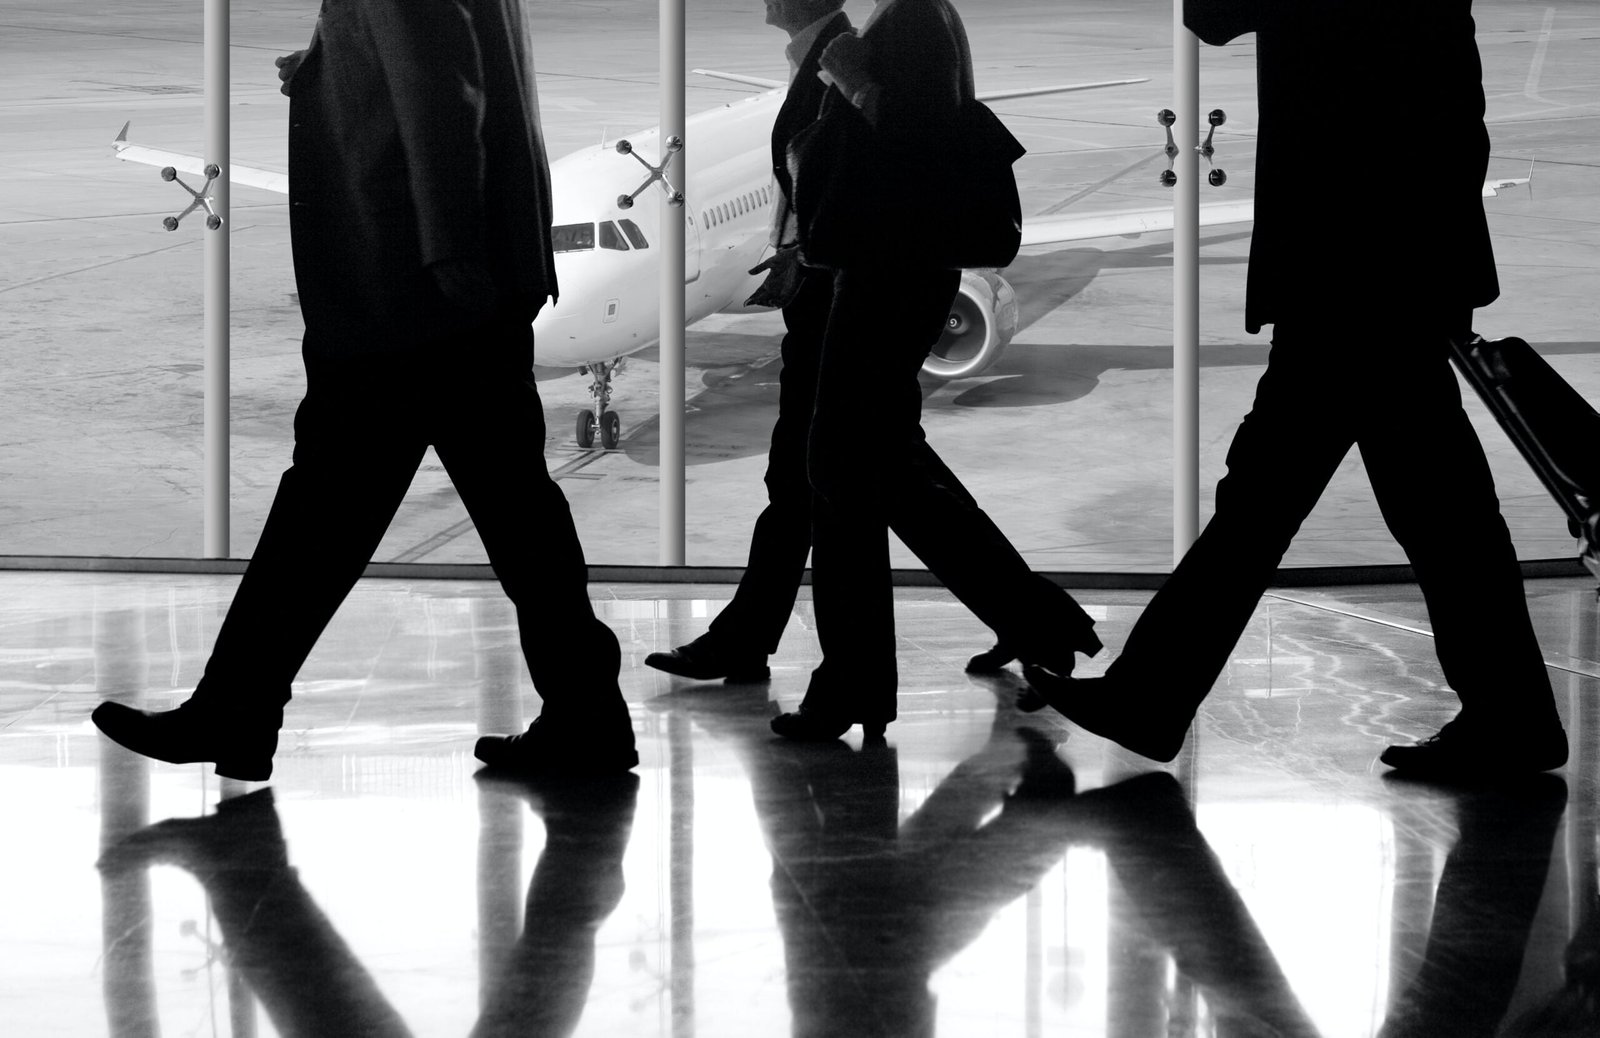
column 749, row 202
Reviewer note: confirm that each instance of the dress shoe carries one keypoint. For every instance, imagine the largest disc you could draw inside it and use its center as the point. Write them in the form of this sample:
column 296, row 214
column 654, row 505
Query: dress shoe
column 703, row 660
column 569, row 749
column 240, row 740
column 1105, row 707
column 1461, row 751
column 814, row 726
column 1059, row 658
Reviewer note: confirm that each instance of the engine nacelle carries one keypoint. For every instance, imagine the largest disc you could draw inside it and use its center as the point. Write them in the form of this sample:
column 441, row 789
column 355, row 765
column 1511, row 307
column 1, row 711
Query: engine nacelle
column 983, row 319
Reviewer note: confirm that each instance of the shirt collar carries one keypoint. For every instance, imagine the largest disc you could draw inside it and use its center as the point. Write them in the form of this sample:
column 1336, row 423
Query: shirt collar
column 803, row 41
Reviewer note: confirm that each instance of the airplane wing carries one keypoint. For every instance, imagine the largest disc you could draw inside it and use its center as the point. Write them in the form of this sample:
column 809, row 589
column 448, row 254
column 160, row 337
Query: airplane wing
column 1050, row 230
column 734, row 77
column 1128, row 223
column 249, row 176
column 1006, row 95
column 1491, row 188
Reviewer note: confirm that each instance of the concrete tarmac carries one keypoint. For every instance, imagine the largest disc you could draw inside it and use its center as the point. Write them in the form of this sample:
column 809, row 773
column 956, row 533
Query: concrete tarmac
column 1067, row 440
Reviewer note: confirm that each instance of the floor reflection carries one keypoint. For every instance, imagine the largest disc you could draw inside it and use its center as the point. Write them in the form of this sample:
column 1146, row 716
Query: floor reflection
column 1483, row 909
column 981, row 874
column 870, row 906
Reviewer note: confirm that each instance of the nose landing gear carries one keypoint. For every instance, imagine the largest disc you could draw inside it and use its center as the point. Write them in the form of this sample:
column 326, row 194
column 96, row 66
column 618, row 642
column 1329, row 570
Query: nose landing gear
column 602, row 420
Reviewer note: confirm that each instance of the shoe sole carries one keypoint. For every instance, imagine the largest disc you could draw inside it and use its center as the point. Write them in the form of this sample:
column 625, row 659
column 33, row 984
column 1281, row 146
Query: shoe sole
column 1432, row 767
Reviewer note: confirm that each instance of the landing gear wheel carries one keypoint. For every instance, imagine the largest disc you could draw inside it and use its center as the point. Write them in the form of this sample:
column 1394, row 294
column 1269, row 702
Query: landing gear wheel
column 586, row 425
column 610, row 430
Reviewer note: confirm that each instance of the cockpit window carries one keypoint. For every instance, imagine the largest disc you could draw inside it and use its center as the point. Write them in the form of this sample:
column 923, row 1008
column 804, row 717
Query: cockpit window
column 635, row 235
column 611, row 238
column 573, row 237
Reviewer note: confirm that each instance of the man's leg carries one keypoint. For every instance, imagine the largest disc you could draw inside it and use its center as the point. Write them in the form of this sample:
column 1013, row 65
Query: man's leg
column 1282, row 457
column 739, row 639
column 354, row 457
column 356, row 451
column 1433, row 484
column 489, row 433
column 760, row 608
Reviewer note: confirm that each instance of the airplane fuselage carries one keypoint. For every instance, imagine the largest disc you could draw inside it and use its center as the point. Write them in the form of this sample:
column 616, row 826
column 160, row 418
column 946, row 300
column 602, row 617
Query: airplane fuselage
column 610, row 287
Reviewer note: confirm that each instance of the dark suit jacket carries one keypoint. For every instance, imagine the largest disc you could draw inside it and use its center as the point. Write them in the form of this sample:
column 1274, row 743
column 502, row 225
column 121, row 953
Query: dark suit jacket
column 414, row 139
column 802, row 103
column 1370, row 156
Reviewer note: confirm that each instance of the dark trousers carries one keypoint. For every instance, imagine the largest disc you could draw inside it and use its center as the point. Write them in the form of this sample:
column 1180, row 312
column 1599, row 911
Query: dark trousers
column 360, row 434
column 754, row 620
column 872, row 468
column 1395, row 397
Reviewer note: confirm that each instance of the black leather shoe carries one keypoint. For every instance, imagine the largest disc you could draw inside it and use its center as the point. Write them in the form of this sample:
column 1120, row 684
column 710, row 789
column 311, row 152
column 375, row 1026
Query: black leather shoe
column 1060, row 659
column 240, row 741
column 1461, row 752
column 1106, row 708
column 812, row 726
column 565, row 750
column 702, row 660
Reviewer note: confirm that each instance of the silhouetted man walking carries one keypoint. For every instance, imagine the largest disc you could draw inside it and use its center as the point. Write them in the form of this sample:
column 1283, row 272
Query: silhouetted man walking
column 420, row 218
column 1359, row 358
column 741, row 637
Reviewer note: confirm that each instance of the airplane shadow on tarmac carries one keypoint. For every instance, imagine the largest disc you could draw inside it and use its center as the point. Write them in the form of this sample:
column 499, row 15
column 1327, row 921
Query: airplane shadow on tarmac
column 732, row 416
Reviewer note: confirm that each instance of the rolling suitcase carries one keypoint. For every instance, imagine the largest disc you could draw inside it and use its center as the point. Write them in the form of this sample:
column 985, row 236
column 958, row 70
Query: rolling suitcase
column 1556, row 429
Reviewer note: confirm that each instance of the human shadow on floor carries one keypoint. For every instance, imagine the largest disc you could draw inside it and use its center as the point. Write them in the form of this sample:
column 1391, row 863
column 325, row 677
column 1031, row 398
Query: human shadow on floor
column 309, row 981
column 870, row 906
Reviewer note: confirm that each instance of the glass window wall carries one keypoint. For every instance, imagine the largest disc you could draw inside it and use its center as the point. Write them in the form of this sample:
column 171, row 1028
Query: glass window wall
column 1065, row 437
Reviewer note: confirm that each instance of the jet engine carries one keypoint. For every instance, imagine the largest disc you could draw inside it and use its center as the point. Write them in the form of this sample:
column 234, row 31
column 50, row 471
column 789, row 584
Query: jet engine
column 982, row 320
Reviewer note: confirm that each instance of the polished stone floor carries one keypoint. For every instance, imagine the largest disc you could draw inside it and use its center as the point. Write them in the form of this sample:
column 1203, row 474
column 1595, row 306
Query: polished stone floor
column 985, row 873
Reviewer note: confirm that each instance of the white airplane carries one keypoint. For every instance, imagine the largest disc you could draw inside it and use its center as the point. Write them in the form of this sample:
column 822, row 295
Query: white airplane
column 610, row 292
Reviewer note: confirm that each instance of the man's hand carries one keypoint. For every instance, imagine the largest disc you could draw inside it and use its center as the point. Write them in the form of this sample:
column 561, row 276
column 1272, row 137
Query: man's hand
column 288, row 65
column 465, row 284
column 784, row 274
column 844, row 62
